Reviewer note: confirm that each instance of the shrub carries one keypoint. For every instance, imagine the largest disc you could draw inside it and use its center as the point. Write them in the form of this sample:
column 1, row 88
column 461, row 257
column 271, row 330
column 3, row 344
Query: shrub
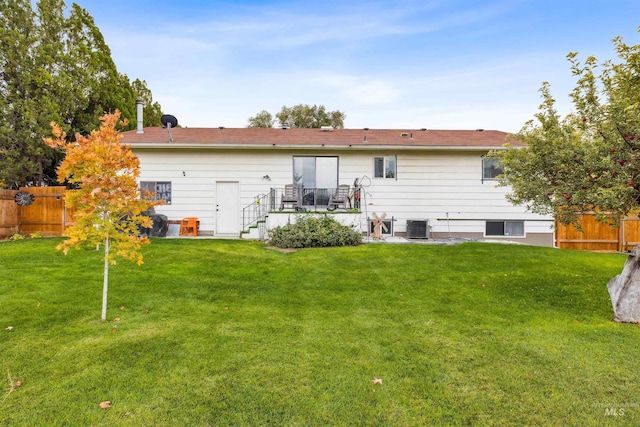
column 311, row 232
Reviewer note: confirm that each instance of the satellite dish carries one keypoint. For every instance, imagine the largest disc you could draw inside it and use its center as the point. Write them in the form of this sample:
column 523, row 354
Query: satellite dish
column 168, row 122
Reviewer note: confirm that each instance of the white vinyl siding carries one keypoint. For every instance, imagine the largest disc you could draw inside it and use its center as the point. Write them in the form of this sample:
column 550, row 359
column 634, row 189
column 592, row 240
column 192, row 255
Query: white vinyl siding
column 441, row 186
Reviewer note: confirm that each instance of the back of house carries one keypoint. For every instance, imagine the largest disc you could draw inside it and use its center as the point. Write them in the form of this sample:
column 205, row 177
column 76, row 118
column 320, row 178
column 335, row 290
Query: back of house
column 418, row 183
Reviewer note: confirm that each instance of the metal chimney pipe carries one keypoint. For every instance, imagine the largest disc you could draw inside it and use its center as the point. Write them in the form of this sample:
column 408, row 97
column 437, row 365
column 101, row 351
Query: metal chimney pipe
column 139, row 108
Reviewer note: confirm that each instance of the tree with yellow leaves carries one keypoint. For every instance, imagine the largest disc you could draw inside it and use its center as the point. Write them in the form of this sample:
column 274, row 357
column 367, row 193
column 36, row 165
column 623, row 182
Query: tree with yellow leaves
column 107, row 203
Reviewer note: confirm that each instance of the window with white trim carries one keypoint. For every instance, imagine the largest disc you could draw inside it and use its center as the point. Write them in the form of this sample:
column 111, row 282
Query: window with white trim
column 491, row 168
column 156, row 190
column 384, row 167
column 504, row 228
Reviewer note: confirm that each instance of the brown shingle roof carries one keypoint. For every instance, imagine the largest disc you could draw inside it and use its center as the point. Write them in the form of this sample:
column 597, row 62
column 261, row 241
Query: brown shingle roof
column 319, row 137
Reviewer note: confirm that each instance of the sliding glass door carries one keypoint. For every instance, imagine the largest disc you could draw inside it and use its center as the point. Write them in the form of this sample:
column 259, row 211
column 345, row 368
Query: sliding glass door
column 317, row 177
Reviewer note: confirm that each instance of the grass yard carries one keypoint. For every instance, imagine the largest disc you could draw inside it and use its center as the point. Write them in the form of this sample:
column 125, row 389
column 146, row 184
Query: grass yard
column 224, row 333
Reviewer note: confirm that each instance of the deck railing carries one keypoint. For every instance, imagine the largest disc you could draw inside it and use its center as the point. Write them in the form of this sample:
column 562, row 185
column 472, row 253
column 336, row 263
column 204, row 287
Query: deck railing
column 311, row 200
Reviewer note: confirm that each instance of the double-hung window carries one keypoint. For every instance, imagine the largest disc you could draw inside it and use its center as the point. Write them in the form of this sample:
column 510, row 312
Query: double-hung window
column 491, row 169
column 384, row 167
column 156, row 190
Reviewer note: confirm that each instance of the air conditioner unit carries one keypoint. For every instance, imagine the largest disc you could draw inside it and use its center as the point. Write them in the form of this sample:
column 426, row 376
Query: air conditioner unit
column 417, row 229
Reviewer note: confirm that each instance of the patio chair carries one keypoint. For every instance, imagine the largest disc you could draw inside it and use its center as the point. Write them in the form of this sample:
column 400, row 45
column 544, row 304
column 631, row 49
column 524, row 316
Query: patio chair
column 290, row 195
column 340, row 198
column 187, row 224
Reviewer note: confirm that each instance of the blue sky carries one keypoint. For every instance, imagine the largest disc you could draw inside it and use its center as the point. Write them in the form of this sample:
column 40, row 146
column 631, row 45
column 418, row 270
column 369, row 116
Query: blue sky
column 437, row 64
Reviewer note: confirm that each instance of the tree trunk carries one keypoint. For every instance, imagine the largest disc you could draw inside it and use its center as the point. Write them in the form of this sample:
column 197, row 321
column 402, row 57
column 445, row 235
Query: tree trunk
column 624, row 290
column 105, row 285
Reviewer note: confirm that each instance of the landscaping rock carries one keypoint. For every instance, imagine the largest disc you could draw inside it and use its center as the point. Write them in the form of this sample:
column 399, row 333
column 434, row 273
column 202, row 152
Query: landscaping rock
column 624, row 290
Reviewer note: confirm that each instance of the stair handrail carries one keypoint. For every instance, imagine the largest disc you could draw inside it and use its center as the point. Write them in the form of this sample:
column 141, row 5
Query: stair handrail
column 256, row 211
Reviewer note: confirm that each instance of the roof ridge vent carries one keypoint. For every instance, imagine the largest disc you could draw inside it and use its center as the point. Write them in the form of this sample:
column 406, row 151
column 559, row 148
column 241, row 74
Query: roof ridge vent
column 479, row 130
column 326, row 128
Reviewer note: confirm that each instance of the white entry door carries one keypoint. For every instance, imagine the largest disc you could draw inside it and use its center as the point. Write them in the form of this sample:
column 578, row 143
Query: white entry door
column 227, row 208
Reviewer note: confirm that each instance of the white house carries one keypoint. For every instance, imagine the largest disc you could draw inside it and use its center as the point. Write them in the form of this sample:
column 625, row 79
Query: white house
column 233, row 179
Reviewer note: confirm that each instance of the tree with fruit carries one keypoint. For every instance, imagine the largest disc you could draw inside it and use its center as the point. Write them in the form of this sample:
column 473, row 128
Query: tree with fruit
column 588, row 160
column 107, row 203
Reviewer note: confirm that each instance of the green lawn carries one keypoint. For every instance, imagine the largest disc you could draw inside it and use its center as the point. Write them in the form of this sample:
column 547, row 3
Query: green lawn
column 219, row 333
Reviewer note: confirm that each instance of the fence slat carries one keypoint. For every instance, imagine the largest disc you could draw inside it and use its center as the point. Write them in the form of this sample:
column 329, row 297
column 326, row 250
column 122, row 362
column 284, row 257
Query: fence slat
column 598, row 236
column 9, row 214
column 46, row 214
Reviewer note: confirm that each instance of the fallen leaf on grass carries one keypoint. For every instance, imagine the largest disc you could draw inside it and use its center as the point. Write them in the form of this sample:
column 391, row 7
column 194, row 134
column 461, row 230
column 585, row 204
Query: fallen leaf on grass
column 114, row 330
column 117, row 319
column 121, row 307
column 9, row 328
column 105, row 405
column 376, row 380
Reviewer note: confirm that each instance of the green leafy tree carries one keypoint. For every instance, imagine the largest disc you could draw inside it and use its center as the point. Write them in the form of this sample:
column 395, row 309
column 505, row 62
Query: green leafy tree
column 53, row 68
column 99, row 87
column 305, row 116
column 107, row 203
column 19, row 161
column 263, row 119
column 300, row 116
column 588, row 160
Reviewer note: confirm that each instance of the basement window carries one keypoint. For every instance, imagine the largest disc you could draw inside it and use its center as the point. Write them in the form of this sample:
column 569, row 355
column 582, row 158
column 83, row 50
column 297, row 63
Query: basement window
column 156, row 190
column 387, row 230
column 505, row 228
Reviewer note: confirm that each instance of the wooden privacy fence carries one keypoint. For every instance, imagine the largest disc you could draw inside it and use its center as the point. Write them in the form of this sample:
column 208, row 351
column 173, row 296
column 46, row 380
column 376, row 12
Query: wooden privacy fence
column 9, row 214
column 47, row 214
column 598, row 236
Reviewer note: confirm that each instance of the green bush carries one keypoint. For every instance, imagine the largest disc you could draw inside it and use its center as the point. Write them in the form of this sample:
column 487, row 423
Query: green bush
column 311, row 232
